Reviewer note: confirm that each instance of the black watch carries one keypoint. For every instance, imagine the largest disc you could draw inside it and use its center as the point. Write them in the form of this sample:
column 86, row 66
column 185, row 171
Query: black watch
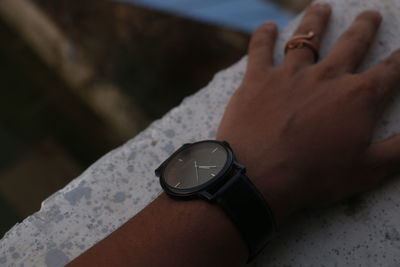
column 208, row 170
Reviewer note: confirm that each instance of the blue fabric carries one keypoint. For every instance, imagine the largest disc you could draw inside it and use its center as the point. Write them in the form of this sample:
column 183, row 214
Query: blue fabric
column 242, row 15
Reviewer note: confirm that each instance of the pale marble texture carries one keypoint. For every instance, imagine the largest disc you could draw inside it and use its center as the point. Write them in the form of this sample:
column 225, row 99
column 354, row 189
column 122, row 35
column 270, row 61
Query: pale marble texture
column 362, row 232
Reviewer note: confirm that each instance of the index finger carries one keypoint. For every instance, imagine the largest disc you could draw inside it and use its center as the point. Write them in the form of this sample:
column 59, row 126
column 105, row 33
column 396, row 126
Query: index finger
column 262, row 45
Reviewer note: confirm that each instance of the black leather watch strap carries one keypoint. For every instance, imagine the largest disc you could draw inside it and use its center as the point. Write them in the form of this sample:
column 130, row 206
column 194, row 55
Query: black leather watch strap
column 246, row 207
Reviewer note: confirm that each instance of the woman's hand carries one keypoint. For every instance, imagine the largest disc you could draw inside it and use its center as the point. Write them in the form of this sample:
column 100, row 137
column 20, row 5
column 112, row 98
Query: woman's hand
column 303, row 129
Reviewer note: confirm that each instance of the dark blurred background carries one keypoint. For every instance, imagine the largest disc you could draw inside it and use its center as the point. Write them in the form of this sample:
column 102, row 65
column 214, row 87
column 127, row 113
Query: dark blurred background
column 82, row 77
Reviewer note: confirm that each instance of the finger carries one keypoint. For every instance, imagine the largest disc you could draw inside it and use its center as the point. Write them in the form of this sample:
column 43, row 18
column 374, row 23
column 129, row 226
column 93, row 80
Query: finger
column 384, row 81
column 386, row 154
column 353, row 45
column 385, row 73
column 315, row 20
column 262, row 45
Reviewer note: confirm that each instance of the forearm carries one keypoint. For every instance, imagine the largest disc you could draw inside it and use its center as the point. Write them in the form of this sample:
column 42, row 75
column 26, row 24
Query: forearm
column 171, row 233
column 282, row 124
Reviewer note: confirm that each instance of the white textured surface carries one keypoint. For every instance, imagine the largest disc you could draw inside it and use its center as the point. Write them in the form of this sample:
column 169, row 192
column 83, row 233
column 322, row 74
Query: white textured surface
column 365, row 232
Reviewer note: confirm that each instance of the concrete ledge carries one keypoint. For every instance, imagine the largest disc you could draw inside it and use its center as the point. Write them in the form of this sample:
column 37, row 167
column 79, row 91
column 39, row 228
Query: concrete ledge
column 362, row 232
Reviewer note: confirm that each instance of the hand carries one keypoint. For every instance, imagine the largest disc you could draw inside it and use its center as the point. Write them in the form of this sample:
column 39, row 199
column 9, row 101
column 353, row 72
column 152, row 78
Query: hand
column 303, row 129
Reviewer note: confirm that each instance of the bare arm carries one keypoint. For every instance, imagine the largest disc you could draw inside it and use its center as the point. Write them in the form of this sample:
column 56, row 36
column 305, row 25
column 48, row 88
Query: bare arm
column 302, row 129
column 171, row 233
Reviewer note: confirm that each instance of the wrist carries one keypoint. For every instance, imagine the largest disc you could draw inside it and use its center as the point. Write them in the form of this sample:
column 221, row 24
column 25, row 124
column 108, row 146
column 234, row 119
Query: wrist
column 274, row 177
column 274, row 184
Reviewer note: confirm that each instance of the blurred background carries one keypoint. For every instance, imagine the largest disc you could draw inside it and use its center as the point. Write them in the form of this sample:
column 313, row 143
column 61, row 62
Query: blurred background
column 80, row 77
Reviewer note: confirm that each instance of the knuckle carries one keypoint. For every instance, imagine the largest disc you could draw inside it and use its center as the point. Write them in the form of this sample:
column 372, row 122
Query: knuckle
column 257, row 43
column 327, row 71
column 358, row 39
column 291, row 70
column 255, row 74
column 365, row 85
column 354, row 35
column 365, row 88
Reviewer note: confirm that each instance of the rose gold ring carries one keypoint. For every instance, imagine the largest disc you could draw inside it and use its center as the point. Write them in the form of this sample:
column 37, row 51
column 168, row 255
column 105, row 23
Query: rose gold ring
column 302, row 41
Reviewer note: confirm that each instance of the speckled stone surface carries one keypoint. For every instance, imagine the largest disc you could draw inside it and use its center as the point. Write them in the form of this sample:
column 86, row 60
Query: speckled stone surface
column 361, row 232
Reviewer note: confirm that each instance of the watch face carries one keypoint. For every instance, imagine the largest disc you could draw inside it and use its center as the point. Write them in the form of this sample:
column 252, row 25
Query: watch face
column 196, row 165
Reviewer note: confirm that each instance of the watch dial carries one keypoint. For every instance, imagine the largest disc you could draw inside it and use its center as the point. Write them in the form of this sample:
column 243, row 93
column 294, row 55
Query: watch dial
column 195, row 165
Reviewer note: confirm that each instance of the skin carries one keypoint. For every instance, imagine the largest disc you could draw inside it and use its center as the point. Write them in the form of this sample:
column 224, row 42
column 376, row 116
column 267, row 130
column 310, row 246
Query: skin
column 303, row 130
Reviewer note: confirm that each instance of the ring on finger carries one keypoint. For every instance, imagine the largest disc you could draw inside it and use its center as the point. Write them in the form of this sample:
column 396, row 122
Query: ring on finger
column 303, row 41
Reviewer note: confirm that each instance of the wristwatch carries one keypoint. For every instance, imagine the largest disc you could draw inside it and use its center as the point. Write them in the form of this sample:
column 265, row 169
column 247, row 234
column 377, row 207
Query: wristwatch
column 208, row 170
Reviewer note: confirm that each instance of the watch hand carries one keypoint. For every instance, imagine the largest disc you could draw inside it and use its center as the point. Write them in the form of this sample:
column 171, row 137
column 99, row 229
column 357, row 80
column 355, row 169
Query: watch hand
column 197, row 173
column 206, row 167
